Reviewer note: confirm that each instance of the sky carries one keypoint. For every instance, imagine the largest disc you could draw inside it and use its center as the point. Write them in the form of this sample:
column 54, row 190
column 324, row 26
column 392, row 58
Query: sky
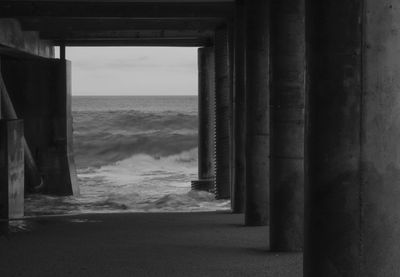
column 133, row 70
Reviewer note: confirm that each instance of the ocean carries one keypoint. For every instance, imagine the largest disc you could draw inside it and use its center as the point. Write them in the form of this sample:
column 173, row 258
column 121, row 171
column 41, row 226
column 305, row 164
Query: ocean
column 133, row 154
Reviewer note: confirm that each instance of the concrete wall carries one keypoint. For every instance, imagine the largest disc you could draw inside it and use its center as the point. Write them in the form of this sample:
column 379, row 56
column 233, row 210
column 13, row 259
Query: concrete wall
column 13, row 40
column 40, row 91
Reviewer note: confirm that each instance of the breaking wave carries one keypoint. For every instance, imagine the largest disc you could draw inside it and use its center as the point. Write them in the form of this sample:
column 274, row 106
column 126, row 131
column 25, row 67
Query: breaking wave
column 102, row 138
column 133, row 154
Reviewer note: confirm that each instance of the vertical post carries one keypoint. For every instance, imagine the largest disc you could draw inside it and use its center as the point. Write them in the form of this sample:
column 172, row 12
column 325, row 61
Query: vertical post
column 206, row 109
column 1, row 111
column 353, row 195
column 223, row 115
column 239, row 176
column 287, row 124
column 258, row 114
column 62, row 51
column 11, row 169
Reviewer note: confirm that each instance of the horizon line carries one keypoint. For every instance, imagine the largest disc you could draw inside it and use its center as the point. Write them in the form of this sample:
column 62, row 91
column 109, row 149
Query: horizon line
column 134, row 94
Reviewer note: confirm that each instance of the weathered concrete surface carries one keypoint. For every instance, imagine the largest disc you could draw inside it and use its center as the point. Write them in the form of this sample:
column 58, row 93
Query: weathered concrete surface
column 239, row 112
column 206, row 146
column 117, row 9
column 223, row 102
column 176, row 245
column 353, row 197
column 380, row 190
column 288, row 65
column 41, row 93
column 33, row 181
column 333, row 231
column 11, row 169
column 258, row 112
column 13, row 38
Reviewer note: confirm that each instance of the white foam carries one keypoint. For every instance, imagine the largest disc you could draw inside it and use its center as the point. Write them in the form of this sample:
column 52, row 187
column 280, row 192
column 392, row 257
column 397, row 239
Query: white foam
column 139, row 184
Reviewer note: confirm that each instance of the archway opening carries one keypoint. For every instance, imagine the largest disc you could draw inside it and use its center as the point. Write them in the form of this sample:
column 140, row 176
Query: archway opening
column 135, row 119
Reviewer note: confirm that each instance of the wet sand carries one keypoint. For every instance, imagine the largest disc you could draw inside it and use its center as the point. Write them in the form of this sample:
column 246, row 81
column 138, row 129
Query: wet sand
column 169, row 244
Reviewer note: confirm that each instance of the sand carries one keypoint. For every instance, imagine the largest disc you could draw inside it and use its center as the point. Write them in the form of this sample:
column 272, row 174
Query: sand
column 169, row 244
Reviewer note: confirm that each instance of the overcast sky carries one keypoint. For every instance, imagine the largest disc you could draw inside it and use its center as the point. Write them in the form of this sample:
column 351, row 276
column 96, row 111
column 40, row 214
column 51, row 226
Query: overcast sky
column 133, row 70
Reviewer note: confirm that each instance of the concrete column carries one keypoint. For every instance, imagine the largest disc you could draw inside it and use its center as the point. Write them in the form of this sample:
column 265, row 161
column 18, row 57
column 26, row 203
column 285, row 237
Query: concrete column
column 41, row 93
column 11, row 169
column 287, row 124
column 62, row 51
column 353, row 196
column 206, row 159
column 223, row 103
column 1, row 103
column 258, row 114
column 239, row 113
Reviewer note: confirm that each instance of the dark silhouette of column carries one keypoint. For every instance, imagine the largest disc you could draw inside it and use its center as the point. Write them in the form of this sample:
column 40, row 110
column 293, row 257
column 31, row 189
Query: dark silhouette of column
column 206, row 99
column 287, row 124
column 40, row 91
column 11, row 169
column 353, row 193
column 223, row 101
column 258, row 112
column 239, row 102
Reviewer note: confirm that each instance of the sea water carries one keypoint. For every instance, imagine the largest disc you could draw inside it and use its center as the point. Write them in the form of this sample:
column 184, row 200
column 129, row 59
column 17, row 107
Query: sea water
column 133, row 154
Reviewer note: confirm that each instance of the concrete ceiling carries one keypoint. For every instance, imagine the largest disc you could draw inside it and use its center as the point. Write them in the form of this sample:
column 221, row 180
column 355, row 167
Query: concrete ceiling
column 135, row 1
column 122, row 22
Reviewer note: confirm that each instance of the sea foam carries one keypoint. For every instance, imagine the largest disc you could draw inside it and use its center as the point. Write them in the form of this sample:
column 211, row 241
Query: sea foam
column 133, row 154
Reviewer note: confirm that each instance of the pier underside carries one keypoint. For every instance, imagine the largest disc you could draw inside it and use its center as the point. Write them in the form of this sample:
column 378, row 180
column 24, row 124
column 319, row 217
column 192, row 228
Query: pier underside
column 300, row 128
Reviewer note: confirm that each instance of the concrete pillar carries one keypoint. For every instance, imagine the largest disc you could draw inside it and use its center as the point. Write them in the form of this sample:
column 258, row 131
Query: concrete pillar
column 41, row 93
column 287, row 124
column 353, row 196
column 33, row 179
column 223, row 102
column 62, row 51
column 239, row 112
column 258, row 114
column 11, row 169
column 206, row 146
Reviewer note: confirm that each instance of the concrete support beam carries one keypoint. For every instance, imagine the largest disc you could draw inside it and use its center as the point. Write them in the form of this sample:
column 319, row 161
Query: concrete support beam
column 140, row 37
column 287, row 124
column 11, row 169
column 147, row 42
column 115, row 9
column 206, row 64
column 223, row 102
column 111, row 24
column 14, row 40
column 124, row 34
column 239, row 102
column 40, row 91
column 258, row 113
column 353, row 197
